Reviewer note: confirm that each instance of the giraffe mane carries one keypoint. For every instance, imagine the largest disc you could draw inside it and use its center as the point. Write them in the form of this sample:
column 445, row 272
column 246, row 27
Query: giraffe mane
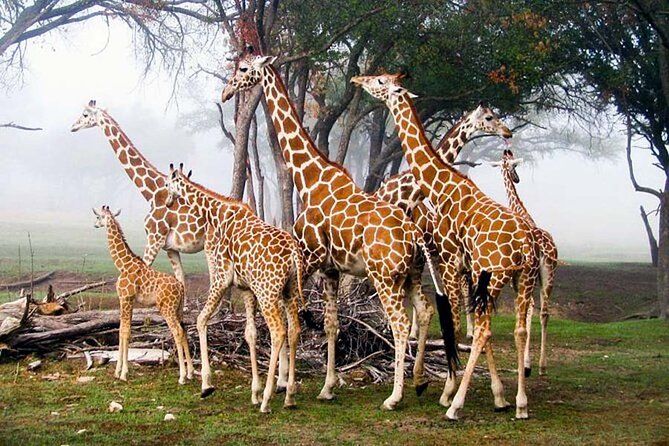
column 121, row 234
column 216, row 195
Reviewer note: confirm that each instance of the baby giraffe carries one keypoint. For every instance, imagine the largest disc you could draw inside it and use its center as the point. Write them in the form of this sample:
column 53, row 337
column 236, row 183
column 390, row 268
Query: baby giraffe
column 149, row 287
column 262, row 261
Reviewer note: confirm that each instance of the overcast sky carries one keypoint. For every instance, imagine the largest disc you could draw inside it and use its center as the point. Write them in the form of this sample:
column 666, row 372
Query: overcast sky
column 54, row 175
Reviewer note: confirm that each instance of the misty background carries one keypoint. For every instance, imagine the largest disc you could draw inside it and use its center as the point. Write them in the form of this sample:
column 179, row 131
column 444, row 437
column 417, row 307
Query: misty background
column 52, row 178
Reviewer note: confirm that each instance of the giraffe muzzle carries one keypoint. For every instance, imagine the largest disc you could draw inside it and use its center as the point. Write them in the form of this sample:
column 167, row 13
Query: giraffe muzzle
column 228, row 92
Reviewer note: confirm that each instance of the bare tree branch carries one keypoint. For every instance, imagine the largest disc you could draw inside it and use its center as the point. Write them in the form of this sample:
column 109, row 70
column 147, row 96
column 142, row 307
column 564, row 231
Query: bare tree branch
column 12, row 125
column 630, row 165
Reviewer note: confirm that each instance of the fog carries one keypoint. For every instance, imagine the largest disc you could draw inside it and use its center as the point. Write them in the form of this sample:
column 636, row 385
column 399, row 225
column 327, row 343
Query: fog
column 57, row 176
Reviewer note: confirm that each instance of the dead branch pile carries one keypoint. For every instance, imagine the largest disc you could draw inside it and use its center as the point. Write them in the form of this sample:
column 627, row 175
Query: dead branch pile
column 365, row 342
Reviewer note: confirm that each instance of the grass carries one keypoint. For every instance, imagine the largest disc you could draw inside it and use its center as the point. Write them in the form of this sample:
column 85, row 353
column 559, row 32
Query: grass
column 607, row 383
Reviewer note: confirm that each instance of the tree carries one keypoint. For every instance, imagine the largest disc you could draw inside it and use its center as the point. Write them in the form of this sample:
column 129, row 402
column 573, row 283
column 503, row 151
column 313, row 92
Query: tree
column 623, row 56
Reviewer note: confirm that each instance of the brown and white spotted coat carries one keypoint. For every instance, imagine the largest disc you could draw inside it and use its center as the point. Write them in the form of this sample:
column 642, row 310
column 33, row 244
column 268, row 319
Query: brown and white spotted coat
column 141, row 283
column 548, row 254
column 403, row 190
column 260, row 259
column 342, row 229
column 176, row 229
column 471, row 232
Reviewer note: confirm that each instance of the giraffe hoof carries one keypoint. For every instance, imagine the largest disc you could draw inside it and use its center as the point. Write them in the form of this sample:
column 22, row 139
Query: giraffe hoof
column 265, row 410
column 206, row 392
column 503, row 408
column 389, row 405
column 451, row 415
column 326, row 396
column 521, row 413
column 280, row 389
column 542, row 371
column 528, row 372
column 421, row 388
column 290, row 406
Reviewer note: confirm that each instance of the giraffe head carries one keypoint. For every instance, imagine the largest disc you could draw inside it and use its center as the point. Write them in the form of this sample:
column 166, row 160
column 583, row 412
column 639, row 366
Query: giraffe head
column 248, row 73
column 103, row 216
column 382, row 86
column 508, row 164
column 487, row 121
column 176, row 184
column 89, row 118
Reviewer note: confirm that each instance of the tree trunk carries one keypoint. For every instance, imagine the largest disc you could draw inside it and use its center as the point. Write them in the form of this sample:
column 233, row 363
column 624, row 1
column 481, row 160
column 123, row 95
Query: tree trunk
column 250, row 192
column 652, row 241
column 663, row 254
column 245, row 112
column 260, row 179
column 349, row 126
column 284, row 178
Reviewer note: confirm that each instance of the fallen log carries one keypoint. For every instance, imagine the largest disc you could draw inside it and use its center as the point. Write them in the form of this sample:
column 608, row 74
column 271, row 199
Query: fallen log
column 26, row 283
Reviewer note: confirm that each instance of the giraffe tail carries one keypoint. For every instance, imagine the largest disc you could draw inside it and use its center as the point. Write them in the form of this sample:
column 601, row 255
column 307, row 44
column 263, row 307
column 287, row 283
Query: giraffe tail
column 297, row 264
column 445, row 312
column 480, row 298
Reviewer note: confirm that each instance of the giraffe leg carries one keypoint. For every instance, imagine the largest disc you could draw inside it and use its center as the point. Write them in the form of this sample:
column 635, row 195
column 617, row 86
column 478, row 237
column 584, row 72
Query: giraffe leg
column 451, row 280
column 528, row 355
column 496, row 385
column 413, row 334
column 190, row 370
column 525, row 288
column 154, row 243
column 178, row 335
column 391, row 295
column 293, row 319
column 482, row 334
column 547, row 275
column 282, row 380
column 423, row 312
column 175, row 261
column 465, row 289
column 273, row 316
column 124, row 336
column 219, row 281
column 331, row 330
column 250, row 335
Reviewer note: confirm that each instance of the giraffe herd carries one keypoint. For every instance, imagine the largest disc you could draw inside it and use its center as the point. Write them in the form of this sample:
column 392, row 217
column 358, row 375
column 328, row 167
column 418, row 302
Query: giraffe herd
column 431, row 215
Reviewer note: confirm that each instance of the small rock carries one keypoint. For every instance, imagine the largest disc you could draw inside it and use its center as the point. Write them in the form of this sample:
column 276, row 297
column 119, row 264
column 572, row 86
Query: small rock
column 85, row 379
column 35, row 365
column 160, row 407
column 169, row 417
column 82, row 431
column 55, row 414
column 115, row 407
column 52, row 377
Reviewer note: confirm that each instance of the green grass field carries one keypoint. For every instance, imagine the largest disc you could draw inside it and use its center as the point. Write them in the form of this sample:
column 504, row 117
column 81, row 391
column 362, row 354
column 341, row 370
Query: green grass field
column 607, row 381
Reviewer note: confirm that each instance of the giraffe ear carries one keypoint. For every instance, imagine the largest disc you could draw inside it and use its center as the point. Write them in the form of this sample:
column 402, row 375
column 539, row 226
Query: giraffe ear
column 495, row 163
column 95, row 212
column 117, row 213
column 516, row 161
column 411, row 95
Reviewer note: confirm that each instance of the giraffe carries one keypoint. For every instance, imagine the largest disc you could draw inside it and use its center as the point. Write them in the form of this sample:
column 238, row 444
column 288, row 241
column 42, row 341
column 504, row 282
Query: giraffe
column 263, row 261
column 548, row 254
column 403, row 191
column 176, row 229
column 344, row 230
column 471, row 232
column 138, row 281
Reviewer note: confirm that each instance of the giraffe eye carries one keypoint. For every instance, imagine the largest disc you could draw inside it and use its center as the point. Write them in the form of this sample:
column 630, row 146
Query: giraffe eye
column 381, row 82
column 243, row 69
column 488, row 118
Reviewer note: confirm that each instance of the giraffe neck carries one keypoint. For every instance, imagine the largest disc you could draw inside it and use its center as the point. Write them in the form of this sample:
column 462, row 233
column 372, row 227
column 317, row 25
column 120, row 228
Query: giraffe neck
column 438, row 181
column 312, row 172
column 119, row 250
column 140, row 171
column 515, row 203
column 208, row 203
column 455, row 139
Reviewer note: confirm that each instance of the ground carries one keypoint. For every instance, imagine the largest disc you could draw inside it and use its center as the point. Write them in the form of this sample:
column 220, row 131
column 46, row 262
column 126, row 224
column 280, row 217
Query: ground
column 607, row 382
